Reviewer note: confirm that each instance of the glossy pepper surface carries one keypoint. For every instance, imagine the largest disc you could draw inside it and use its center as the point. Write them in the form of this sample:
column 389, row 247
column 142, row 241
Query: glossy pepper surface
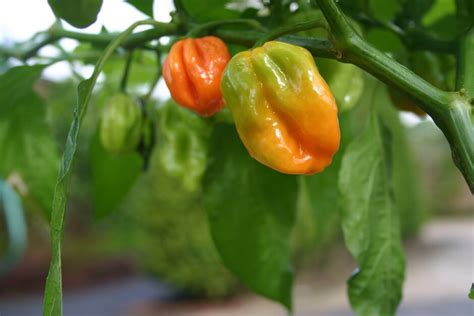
column 283, row 109
column 346, row 81
column 193, row 71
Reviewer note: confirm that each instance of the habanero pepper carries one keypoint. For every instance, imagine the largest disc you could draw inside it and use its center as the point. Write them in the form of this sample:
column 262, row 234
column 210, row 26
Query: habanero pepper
column 193, row 72
column 346, row 81
column 121, row 124
column 283, row 109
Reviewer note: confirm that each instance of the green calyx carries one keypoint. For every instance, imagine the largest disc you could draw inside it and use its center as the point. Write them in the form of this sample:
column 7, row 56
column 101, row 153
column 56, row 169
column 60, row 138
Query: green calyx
column 121, row 124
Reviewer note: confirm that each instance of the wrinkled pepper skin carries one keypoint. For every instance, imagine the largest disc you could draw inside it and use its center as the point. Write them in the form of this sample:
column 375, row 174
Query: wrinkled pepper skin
column 193, row 72
column 121, row 124
column 283, row 109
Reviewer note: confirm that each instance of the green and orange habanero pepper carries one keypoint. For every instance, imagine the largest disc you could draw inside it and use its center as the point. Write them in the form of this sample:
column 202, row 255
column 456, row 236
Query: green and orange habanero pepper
column 193, row 72
column 283, row 109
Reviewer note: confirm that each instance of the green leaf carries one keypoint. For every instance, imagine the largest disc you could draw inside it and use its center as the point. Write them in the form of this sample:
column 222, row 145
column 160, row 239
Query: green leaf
column 145, row 6
column 406, row 183
column 414, row 10
column 52, row 304
column 439, row 9
column 322, row 190
column 385, row 10
column 142, row 71
column 471, row 292
column 208, row 10
column 27, row 147
column 370, row 223
column 465, row 12
column 112, row 177
column 355, row 7
column 182, row 144
column 251, row 212
column 386, row 41
column 78, row 13
column 448, row 27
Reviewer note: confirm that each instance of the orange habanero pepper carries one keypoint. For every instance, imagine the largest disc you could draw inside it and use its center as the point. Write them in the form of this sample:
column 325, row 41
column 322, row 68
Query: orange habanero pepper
column 193, row 72
column 283, row 109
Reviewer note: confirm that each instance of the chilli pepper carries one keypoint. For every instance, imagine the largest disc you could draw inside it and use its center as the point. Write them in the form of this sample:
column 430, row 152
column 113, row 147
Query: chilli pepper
column 193, row 71
column 283, row 109
column 121, row 124
column 346, row 81
column 182, row 144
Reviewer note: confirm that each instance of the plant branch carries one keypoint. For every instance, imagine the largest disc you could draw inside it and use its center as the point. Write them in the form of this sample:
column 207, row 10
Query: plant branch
column 181, row 10
column 449, row 110
column 24, row 53
column 463, row 130
column 352, row 48
column 465, row 69
column 136, row 39
column 320, row 48
column 291, row 29
column 413, row 37
column 126, row 72
column 46, row 40
column 155, row 81
column 133, row 41
column 205, row 28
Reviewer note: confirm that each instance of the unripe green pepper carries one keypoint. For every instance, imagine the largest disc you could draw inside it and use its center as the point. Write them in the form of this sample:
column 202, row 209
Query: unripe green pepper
column 182, row 144
column 121, row 124
column 283, row 109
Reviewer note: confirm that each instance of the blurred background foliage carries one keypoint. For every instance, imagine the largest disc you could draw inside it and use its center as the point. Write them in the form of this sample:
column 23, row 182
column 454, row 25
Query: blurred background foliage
column 159, row 224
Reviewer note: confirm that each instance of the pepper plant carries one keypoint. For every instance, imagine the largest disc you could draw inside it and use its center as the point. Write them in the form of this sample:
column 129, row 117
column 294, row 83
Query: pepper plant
column 251, row 207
